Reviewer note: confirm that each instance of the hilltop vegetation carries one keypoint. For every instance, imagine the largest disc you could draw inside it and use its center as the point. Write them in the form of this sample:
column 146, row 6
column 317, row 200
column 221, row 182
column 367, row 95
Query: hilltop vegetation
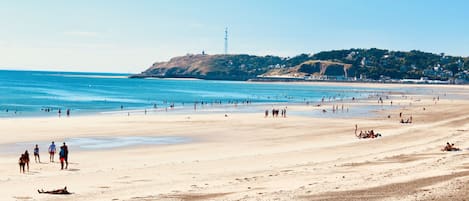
column 360, row 63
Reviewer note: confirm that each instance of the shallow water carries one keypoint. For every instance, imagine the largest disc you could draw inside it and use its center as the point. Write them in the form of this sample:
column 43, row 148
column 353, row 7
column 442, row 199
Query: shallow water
column 355, row 111
column 94, row 143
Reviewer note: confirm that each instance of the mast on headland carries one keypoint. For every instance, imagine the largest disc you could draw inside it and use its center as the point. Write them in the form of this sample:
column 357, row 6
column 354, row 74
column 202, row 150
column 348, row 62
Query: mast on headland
column 226, row 40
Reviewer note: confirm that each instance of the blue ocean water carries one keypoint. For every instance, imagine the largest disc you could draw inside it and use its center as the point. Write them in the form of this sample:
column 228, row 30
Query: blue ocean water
column 29, row 93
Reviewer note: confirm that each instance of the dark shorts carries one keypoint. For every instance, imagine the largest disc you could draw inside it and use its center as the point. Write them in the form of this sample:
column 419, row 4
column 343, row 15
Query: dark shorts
column 51, row 152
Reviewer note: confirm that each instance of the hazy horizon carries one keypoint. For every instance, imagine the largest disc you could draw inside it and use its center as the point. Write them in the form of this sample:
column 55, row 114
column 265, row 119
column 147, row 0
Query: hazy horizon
column 128, row 36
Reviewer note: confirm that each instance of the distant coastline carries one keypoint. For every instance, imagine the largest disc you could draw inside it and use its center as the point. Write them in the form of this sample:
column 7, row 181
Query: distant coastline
column 352, row 65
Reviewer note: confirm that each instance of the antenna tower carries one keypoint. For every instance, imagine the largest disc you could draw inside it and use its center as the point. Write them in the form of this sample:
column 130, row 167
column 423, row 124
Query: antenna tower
column 226, row 40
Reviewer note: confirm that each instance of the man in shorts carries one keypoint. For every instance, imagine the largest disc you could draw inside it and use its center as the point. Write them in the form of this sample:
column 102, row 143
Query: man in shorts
column 52, row 150
column 64, row 156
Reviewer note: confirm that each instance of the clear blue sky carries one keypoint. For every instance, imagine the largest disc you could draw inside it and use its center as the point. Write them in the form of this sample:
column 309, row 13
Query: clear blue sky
column 128, row 36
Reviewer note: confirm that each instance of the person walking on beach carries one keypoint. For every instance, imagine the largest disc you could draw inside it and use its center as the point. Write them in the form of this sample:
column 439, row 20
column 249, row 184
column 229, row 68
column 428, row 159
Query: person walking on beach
column 68, row 112
column 36, row 154
column 22, row 163
column 63, row 156
column 52, row 150
column 26, row 159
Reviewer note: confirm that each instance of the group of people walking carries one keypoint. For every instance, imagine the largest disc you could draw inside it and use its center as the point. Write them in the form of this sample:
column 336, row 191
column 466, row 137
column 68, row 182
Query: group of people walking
column 63, row 156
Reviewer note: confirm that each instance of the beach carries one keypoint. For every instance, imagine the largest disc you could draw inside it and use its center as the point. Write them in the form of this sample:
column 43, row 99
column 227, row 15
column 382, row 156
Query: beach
column 245, row 156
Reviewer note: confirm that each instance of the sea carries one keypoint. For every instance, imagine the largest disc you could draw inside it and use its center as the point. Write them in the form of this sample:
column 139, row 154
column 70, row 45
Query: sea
column 44, row 93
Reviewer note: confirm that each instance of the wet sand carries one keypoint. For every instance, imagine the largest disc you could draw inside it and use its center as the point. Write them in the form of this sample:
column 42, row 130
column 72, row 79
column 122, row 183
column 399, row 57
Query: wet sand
column 248, row 157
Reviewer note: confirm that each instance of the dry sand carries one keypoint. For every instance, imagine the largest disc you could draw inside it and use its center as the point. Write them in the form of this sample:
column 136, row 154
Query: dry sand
column 248, row 157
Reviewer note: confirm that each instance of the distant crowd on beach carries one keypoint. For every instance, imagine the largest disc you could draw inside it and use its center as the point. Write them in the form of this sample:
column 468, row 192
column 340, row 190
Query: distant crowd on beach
column 63, row 156
column 45, row 109
column 275, row 112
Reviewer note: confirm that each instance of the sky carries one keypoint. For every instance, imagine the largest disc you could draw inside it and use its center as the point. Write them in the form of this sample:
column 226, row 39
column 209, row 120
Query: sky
column 129, row 35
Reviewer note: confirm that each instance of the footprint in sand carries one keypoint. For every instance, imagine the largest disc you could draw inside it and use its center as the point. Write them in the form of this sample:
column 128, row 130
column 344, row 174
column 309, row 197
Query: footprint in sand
column 123, row 177
column 142, row 180
column 22, row 197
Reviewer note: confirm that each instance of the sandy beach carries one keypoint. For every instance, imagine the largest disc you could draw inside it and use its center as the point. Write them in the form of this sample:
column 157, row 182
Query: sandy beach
column 245, row 156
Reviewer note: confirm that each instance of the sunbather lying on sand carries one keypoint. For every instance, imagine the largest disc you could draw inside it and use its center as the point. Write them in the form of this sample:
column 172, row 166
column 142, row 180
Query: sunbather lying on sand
column 58, row 191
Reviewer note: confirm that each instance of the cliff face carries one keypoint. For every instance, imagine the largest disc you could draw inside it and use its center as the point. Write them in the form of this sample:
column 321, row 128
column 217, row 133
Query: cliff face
column 216, row 67
column 312, row 67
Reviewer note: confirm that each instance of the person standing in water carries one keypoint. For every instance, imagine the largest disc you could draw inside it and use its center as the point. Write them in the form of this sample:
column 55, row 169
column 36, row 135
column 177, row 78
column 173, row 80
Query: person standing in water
column 52, row 150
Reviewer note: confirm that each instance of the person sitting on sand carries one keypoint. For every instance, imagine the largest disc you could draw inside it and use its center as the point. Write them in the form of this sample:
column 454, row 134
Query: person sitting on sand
column 363, row 134
column 407, row 121
column 360, row 134
column 371, row 134
column 447, row 147
column 62, row 191
column 453, row 148
column 450, row 147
